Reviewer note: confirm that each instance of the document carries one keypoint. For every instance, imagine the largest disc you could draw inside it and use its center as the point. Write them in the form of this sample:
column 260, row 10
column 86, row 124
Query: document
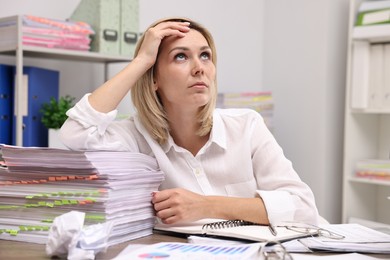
column 187, row 251
column 358, row 239
column 225, row 229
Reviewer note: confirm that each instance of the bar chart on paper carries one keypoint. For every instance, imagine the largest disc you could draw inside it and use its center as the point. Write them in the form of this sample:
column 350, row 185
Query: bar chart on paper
column 190, row 251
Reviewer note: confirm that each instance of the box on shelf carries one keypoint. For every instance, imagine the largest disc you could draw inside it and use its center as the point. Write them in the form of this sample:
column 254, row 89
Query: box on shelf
column 115, row 23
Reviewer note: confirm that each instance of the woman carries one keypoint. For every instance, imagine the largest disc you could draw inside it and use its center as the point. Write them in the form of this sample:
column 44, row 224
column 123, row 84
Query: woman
column 218, row 163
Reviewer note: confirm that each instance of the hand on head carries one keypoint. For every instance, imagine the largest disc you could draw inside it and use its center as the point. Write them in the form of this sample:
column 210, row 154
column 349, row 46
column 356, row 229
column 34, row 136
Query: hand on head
column 154, row 35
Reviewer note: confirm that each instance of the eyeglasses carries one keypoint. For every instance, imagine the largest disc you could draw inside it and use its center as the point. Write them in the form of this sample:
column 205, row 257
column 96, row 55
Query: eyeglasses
column 314, row 230
column 274, row 250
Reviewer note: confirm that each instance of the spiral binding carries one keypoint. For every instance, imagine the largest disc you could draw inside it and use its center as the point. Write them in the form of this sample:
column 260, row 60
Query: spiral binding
column 227, row 224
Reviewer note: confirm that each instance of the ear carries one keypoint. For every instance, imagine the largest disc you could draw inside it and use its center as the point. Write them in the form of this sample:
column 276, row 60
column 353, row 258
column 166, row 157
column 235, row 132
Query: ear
column 155, row 85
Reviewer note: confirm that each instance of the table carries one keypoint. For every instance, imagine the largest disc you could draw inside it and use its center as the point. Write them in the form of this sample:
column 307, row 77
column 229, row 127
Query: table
column 23, row 250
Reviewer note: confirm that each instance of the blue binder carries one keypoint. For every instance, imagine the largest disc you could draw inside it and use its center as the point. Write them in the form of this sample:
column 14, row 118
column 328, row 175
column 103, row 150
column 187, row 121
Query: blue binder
column 42, row 85
column 6, row 100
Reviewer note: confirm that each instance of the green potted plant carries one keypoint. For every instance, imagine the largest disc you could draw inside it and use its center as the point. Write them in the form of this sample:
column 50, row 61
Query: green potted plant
column 54, row 115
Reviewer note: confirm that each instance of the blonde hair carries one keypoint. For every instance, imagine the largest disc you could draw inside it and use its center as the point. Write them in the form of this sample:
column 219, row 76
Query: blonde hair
column 150, row 110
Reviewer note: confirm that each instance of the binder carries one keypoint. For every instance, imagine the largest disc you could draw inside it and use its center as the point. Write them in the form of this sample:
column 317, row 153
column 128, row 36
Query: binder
column 376, row 76
column 6, row 104
column 104, row 18
column 129, row 27
column 360, row 75
column 386, row 79
column 39, row 86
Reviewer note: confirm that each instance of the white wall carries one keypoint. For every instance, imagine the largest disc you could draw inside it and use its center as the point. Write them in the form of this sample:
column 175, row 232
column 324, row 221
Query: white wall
column 237, row 29
column 295, row 48
column 305, row 64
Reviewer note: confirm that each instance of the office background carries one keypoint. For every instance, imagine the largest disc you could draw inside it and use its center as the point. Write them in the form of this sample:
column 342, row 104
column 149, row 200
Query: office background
column 294, row 48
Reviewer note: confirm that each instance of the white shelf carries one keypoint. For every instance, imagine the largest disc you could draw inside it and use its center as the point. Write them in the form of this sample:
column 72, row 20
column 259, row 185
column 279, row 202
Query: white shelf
column 11, row 44
column 370, row 111
column 372, row 33
column 369, row 181
column 366, row 136
column 41, row 52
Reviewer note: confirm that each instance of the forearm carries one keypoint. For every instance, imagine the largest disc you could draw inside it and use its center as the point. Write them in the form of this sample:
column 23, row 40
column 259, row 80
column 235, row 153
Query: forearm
column 249, row 209
column 108, row 96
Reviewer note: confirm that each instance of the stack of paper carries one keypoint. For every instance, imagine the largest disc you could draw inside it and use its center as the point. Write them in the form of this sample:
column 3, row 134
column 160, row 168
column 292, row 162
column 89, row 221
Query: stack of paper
column 40, row 184
column 373, row 169
column 261, row 102
column 51, row 33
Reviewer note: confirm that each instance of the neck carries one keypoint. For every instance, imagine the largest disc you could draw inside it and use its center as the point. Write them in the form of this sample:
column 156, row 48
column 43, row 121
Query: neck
column 184, row 130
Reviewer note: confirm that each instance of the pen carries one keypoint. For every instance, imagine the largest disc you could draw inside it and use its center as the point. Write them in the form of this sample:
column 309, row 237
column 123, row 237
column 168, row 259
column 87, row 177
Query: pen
column 272, row 229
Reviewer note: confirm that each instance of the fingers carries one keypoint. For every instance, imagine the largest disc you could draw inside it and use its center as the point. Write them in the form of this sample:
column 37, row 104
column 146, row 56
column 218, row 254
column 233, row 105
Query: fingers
column 154, row 36
column 171, row 29
column 167, row 206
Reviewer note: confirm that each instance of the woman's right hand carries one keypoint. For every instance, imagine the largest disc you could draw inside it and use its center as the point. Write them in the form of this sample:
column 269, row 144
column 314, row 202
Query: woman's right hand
column 153, row 37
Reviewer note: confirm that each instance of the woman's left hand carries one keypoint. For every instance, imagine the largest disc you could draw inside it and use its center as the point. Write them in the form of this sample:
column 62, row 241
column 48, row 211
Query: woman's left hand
column 178, row 205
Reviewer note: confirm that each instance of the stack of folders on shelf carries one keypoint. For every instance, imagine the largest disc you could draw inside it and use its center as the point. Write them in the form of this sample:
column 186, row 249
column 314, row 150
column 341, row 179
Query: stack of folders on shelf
column 370, row 78
column 41, row 85
column 40, row 184
column 373, row 169
column 370, row 82
column 261, row 102
column 46, row 32
column 373, row 12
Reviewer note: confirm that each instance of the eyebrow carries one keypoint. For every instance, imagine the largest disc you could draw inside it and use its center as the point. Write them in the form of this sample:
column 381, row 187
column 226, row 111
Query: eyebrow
column 186, row 49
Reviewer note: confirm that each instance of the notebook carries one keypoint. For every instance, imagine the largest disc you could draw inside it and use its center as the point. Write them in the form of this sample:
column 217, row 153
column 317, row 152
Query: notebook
column 232, row 229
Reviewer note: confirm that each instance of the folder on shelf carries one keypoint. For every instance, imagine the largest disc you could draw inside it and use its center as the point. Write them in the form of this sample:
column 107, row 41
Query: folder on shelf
column 6, row 101
column 360, row 74
column 373, row 5
column 373, row 17
column 104, row 18
column 129, row 26
column 376, row 76
column 38, row 87
column 386, row 77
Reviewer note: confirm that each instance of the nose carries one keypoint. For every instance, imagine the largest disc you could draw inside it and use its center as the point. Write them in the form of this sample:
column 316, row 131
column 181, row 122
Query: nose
column 197, row 67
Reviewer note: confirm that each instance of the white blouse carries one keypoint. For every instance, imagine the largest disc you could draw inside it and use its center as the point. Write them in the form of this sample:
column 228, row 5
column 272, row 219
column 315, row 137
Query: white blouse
column 241, row 158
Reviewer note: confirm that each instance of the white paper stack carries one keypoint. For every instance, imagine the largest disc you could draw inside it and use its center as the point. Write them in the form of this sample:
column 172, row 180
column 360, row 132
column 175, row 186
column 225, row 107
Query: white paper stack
column 40, row 184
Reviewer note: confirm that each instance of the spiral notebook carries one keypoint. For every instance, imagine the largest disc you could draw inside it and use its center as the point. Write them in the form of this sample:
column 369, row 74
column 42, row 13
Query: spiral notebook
column 231, row 229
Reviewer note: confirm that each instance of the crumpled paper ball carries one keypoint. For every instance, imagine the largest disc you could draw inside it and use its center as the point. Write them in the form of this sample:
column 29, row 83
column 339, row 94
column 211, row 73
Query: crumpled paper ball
column 68, row 238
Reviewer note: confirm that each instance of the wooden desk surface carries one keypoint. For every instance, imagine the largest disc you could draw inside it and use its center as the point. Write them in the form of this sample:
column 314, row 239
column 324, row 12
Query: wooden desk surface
column 22, row 250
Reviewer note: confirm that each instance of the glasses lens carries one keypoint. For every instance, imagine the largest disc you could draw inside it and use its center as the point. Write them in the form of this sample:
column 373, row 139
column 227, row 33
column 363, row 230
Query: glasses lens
column 276, row 252
column 329, row 234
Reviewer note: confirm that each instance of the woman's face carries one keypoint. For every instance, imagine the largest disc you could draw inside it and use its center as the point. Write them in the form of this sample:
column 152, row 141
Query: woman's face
column 185, row 73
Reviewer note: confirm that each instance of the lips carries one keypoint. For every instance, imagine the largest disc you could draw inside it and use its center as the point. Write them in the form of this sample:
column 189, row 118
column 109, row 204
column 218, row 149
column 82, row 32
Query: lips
column 199, row 84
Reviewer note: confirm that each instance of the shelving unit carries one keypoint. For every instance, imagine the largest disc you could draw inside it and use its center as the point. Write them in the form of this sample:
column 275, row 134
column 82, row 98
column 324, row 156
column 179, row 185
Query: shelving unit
column 366, row 136
column 11, row 44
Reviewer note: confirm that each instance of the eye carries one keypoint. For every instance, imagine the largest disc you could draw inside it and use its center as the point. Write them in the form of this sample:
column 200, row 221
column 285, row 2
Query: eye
column 180, row 56
column 205, row 55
